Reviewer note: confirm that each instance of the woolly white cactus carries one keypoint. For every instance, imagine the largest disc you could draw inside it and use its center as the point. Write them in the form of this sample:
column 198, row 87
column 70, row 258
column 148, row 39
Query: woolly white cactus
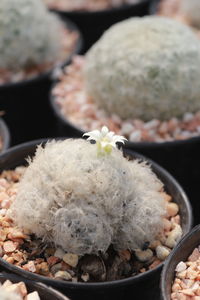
column 29, row 34
column 83, row 202
column 145, row 68
column 191, row 10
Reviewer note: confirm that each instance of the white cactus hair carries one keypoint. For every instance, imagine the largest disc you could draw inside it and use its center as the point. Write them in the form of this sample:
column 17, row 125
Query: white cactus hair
column 29, row 34
column 145, row 68
column 83, row 202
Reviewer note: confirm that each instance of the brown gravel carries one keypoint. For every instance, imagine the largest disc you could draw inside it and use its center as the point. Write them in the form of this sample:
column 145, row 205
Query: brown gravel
column 31, row 254
column 80, row 109
column 69, row 39
column 186, row 285
column 86, row 5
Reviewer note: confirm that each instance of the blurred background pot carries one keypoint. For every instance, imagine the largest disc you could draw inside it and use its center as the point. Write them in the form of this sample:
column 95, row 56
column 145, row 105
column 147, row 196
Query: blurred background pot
column 45, row 292
column 4, row 136
column 25, row 103
column 93, row 24
column 146, row 285
column 153, row 7
column 180, row 253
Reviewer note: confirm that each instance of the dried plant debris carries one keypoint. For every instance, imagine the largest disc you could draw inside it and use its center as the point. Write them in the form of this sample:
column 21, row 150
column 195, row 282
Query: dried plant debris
column 32, row 254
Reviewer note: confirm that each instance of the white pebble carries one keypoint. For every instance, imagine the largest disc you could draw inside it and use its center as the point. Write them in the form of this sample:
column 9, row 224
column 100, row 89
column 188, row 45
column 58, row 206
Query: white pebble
column 152, row 124
column 135, row 136
column 59, row 253
column 33, row 296
column 71, row 259
column 181, row 267
column 188, row 117
column 174, row 236
column 127, row 128
column 144, row 256
column 162, row 252
column 63, row 275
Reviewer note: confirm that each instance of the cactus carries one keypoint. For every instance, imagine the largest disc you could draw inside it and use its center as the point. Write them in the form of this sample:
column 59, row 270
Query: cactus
column 82, row 200
column 191, row 10
column 145, row 68
column 29, row 34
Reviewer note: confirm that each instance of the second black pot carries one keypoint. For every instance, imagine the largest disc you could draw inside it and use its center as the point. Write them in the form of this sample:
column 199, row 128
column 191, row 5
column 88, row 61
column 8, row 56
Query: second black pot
column 143, row 286
column 180, row 253
column 93, row 24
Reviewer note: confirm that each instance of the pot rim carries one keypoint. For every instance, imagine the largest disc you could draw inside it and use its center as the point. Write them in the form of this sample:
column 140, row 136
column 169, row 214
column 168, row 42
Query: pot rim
column 28, row 146
column 128, row 144
column 122, row 7
column 177, row 248
column 36, row 285
column 38, row 77
column 5, row 134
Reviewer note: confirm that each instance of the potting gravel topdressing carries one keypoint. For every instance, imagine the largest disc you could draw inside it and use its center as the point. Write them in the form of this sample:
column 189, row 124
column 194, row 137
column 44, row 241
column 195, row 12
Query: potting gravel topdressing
column 16, row 291
column 87, row 5
column 187, row 275
column 67, row 244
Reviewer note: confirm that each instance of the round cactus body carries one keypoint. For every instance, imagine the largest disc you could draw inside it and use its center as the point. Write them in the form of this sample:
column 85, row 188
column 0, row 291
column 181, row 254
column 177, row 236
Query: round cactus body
column 145, row 68
column 29, row 34
column 84, row 202
column 191, row 10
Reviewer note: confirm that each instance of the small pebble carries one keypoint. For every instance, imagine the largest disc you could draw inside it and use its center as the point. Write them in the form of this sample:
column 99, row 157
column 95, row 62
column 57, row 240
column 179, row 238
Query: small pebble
column 162, row 252
column 144, row 256
column 181, row 267
column 71, row 259
column 63, row 275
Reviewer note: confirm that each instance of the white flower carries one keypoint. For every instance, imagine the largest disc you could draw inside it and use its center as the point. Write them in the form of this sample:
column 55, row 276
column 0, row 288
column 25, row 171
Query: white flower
column 105, row 139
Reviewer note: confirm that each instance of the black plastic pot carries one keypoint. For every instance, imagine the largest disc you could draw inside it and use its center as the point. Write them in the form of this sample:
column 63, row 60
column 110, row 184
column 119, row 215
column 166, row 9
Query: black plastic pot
column 4, row 134
column 180, row 253
column 180, row 158
column 93, row 24
column 153, row 7
column 145, row 285
column 45, row 292
column 26, row 106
